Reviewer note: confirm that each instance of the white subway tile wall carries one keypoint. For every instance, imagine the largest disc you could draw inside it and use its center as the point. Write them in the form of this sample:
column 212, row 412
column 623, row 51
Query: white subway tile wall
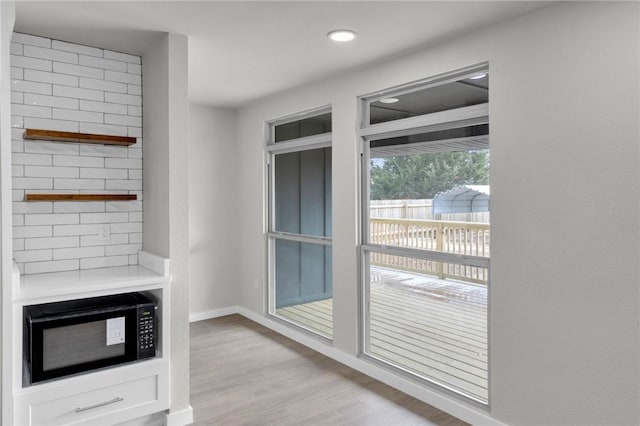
column 65, row 86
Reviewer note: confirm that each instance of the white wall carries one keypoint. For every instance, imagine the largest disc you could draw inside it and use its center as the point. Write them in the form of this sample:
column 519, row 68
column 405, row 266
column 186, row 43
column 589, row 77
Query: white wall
column 214, row 229
column 166, row 129
column 564, row 320
column 179, row 219
column 564, row 301
column 155, row 173
column 7, row 21
column 69, row 87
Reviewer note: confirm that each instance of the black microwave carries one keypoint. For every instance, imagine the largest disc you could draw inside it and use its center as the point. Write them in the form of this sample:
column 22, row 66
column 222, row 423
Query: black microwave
column 75, row 336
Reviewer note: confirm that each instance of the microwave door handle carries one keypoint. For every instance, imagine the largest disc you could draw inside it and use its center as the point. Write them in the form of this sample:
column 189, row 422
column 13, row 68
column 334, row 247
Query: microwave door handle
column 102, row 404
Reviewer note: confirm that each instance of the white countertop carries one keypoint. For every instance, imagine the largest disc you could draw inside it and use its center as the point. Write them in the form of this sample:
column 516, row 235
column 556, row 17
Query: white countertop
column 37, row 288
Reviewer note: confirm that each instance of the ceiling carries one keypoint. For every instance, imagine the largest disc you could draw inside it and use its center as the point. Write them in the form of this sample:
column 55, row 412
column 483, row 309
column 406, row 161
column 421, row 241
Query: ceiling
column 243, row 50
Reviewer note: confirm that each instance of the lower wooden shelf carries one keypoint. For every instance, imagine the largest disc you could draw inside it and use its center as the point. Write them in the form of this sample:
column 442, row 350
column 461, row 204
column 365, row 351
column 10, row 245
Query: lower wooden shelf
column 80, row 197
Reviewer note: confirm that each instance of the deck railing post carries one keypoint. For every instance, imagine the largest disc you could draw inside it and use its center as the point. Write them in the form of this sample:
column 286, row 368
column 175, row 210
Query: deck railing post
column 439, row 247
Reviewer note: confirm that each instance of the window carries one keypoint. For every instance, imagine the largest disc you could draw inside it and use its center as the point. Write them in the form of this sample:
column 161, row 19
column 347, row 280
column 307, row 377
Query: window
column 310, row 126
column 442, row 95
column 300, row 257
column 426, row 235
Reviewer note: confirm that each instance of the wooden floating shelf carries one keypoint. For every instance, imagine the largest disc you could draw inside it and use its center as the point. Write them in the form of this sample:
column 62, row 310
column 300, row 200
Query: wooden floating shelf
column 54, row 135
column 80, row 197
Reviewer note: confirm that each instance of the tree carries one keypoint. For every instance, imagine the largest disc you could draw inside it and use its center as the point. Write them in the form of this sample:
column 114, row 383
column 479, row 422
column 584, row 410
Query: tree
column 425, row 175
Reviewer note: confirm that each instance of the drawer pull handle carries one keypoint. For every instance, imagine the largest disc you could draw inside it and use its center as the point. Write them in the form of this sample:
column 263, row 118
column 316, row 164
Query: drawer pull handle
column 102, row 404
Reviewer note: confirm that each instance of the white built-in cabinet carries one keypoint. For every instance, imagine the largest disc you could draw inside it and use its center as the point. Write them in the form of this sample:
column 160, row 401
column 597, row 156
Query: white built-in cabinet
column 104, row 397
column 111, row 395
column 136, row 392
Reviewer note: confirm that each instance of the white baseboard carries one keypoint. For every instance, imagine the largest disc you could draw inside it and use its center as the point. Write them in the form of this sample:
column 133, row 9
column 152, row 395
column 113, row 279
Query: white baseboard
column 213, row 313
column 179, row 418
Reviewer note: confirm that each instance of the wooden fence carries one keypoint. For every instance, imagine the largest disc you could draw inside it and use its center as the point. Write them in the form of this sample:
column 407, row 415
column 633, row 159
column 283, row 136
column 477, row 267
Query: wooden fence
column 419, row 209
column 469, row 238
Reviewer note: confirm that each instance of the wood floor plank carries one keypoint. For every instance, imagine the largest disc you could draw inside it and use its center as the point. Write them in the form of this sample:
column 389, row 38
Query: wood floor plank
column 444, row 378
column 469, row 295
column 310, row 322
column 447, row 342
column 441, row 363
column 245, row 374
column 431, row 316
column 421, row 343
column 419, row 299
column 411, row 305
column 306, row 312
column 429, row 327
column 313, row 309
column 427, row 323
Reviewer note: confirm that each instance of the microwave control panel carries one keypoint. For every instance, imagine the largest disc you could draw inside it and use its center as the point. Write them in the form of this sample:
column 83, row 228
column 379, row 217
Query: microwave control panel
column 147, row 332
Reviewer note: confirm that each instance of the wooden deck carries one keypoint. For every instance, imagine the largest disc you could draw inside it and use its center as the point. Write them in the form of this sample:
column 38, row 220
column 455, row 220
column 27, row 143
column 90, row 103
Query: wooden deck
column 434, row 328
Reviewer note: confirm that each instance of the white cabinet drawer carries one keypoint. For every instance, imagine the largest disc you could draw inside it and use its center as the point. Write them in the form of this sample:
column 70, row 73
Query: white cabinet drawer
column 106, row 397
column 88, row 407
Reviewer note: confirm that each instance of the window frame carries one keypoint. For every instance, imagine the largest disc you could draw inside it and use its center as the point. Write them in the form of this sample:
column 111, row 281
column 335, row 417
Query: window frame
column 442, row 120
column 437, row 80
column 272, row 149
column 270, row 134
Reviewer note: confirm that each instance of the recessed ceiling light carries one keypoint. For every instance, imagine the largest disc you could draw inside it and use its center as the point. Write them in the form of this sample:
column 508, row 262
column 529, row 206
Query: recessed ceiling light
column 478, row 77
column 341, row 35
column 389, row 100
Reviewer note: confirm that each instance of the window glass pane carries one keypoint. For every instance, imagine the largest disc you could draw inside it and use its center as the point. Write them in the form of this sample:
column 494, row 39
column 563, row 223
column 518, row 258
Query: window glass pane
column 424, row 318
column 303, row 192
column 434, row 201
column 303, row 285
column 306, row 127
column 470, row 138
column 457, row 94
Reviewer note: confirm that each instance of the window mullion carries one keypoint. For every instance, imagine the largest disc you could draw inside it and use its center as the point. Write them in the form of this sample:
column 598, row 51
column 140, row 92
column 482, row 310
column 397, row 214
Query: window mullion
column 301, row 238
column 459, row 117
column 301, row 144
column 460, row 259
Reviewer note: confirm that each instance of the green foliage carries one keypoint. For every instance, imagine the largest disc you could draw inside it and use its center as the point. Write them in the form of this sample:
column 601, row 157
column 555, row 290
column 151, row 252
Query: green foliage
column 425, row 175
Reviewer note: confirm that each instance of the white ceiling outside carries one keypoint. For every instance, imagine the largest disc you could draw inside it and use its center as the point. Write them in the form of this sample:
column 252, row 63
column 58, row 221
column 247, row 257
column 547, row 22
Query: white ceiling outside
column 242, row 50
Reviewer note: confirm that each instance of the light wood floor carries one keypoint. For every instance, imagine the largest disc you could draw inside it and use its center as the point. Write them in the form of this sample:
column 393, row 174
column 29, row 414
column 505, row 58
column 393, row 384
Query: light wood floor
column 434, row 328
column 245, row 374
